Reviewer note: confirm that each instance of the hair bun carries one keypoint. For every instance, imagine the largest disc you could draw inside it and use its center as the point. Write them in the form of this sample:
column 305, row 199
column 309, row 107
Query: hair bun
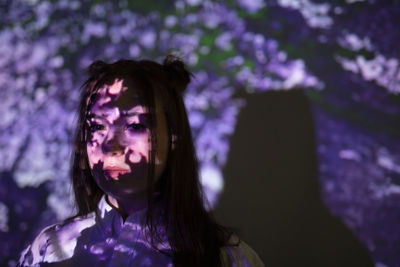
column 178, row 76
column 97, row 67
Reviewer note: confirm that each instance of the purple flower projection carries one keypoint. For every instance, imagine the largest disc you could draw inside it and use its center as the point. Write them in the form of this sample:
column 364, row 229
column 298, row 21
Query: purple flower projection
column 355, row 118
column 86, row 241
column 351, row 71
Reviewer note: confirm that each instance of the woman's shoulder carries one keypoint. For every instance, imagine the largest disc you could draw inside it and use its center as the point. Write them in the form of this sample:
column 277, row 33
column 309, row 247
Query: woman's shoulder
column 33, row 254
column 239, row 253
column 55, row 242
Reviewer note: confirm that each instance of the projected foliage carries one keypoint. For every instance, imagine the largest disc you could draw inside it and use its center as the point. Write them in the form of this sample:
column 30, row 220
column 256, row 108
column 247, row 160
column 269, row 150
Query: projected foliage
column 347, row 62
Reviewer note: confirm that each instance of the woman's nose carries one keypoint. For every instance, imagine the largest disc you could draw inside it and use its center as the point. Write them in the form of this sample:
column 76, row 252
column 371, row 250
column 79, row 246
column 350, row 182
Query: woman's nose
column 113, row 145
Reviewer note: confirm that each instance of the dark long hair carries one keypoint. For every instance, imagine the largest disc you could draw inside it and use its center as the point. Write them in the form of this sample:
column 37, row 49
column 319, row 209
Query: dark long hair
column 193, row 234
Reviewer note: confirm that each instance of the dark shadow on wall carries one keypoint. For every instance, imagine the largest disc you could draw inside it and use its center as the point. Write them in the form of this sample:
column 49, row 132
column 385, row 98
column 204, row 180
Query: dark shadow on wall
column 272, row 190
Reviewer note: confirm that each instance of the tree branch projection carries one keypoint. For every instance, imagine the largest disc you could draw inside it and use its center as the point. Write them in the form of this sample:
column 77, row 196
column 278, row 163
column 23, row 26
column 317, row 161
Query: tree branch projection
column 347, row 62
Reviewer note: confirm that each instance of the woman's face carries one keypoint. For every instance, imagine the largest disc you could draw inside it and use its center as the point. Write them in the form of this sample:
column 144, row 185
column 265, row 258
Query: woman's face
column 119, row 140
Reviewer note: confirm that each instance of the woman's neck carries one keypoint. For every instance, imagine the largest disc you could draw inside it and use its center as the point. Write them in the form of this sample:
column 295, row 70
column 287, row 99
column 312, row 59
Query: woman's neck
column 128, row 206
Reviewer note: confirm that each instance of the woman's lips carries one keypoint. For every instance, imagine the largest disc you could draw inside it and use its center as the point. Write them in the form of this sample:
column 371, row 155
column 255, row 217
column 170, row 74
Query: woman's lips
column 114, row 172
column 115, row 169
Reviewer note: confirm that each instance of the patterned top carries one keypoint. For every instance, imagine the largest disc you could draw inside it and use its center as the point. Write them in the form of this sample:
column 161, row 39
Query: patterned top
column 107, row 240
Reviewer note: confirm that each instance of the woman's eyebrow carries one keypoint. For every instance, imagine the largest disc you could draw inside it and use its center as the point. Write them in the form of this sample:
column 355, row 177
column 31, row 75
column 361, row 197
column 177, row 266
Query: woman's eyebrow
column 123, row 114
column 132, row 113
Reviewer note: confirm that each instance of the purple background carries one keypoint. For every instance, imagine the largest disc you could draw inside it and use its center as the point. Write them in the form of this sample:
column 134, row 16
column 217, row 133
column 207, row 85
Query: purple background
column 342, row 55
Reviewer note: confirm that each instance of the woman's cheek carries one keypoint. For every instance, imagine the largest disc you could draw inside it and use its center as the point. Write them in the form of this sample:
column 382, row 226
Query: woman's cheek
column 139, row 149
column 94, row 152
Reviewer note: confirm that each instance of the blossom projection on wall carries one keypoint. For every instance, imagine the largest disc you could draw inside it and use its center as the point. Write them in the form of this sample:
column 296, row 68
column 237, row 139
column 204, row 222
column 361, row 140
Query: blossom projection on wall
column 232, row 47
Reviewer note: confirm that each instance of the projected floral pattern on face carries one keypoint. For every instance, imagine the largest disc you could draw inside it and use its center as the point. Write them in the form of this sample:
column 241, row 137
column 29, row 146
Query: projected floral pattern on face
column 231, row 46
column 119, row 141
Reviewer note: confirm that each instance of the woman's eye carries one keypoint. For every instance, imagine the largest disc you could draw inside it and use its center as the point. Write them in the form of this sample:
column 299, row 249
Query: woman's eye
column 96, row 127
column 136, row 127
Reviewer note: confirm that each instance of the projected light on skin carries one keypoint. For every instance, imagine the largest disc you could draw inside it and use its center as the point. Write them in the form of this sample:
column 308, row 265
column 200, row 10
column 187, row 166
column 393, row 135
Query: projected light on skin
column 119, row 143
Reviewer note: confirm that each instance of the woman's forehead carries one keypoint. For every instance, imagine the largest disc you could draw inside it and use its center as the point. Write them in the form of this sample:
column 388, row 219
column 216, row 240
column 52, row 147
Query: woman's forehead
column 112, row 112
column 117, row 95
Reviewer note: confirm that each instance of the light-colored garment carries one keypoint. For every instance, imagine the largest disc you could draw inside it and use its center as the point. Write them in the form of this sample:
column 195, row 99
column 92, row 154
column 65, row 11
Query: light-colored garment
column 107, row 240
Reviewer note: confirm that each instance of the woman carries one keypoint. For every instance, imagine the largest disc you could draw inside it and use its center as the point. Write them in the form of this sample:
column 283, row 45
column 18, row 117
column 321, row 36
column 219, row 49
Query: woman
column 135, row 177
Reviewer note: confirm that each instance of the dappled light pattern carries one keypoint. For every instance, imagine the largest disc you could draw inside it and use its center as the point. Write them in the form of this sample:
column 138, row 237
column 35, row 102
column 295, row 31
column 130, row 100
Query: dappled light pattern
column 106, row 240
column 344, row 53
column 118, row 136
